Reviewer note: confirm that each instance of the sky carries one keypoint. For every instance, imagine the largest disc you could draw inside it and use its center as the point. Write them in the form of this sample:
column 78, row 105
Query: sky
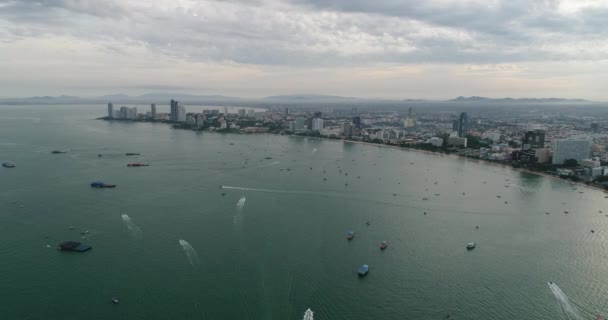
column 395, row 49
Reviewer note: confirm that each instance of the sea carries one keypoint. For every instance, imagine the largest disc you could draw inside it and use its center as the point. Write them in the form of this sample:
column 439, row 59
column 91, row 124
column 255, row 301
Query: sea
column 250, row 227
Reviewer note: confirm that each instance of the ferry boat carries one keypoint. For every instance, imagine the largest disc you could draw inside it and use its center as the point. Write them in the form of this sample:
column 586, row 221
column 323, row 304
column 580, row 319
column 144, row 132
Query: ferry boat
column 363, row 270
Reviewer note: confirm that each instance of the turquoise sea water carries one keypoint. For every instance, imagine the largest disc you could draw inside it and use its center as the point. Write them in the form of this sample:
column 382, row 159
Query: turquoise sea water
column 274, row 244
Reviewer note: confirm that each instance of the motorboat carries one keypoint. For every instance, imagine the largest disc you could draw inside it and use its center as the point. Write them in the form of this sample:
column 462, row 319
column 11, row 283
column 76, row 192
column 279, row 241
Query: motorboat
column 8, row 165
column 114, row 300
column 363, row 270
column 99, row 184
column 350, row 235
column 471, row 245
column 137, row 164
column 383, row 245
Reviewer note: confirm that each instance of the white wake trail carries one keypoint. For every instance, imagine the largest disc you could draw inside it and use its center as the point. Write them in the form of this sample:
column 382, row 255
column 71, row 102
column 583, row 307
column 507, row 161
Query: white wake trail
column 133, row 228
column 308, row 315
column 567, row 306
column 190, row 252
column 241, row 203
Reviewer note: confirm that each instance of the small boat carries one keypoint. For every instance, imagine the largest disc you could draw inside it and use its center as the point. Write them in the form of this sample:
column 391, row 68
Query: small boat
column 99, row 184
column 383, row 245
column 363, row 270
column 58, row 152
column 350, row 235
column 137, row 164
column 8, row 165
column 132, row 154
column 471, row 245
column 114, row 300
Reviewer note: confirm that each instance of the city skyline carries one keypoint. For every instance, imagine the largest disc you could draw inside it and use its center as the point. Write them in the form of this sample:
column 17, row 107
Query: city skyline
column 385, row 49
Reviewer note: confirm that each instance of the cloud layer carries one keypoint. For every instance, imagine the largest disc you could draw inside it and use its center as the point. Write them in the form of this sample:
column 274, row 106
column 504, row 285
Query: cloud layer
column 161, row 42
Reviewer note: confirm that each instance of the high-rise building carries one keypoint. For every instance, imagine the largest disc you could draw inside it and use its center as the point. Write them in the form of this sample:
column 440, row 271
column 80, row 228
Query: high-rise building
column 317, row 124
column 357, row 122
column 455, row 125
column 595, row 127
column 347, row 130
column 225, row 110
column 463, row 125
column 251, row 113
column 299, row 123
column 174, row 105
column 318, row 114
column 287, row 111
column 409, row 121
column 110, row 110
column 241, row 113
column 180, row 113
column 534, row 140
column 123, row 112
column 571, row 149
column 153, row 111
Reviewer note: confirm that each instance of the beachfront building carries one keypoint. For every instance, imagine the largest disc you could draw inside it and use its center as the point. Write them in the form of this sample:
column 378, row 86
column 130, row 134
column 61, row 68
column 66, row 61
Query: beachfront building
column 571, row 149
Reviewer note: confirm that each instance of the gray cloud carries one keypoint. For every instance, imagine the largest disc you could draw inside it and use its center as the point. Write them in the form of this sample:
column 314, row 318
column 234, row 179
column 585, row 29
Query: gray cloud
column 266, row 35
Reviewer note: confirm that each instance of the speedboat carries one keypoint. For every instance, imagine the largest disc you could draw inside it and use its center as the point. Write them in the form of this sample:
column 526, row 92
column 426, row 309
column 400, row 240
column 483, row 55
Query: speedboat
column 137, row 164
column 350, row 235
column 383, row 245
column 114, row 300
column 99, row 184
column 8, row 165
column 363, row 270
column 471, row 245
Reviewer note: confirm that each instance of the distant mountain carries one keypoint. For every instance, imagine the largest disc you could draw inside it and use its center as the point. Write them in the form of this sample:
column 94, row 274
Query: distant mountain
column 184, row 97
column 512, row 100
column 310, row 98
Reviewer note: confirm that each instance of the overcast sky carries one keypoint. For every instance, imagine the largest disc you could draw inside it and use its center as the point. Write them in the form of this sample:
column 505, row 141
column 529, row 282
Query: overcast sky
column 364, row 48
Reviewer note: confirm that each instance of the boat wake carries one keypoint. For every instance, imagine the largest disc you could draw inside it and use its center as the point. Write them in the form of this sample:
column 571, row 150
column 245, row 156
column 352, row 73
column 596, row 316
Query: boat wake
column 314, row 151
column 190, row 252
column 308, row 315
column 241, row 203
column 133, row 228
column 569, row 309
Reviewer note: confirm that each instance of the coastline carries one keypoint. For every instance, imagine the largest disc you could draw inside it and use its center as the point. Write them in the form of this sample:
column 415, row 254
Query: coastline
column 480, row 161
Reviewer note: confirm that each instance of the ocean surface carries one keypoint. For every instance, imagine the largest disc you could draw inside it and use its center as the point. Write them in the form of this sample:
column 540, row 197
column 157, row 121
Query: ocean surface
column 169, row 245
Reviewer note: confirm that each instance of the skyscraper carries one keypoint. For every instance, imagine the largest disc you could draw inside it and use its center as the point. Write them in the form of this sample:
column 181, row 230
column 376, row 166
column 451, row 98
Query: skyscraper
column 534, row 140
column 242, row 113
column 463, row 125
column 299, row 123
column 174, row 105
column 348, row 129
column 317, row 124
column 571, row 149
column 153, row 111
column 180, row 113
column 357, row 122
column 110, row 110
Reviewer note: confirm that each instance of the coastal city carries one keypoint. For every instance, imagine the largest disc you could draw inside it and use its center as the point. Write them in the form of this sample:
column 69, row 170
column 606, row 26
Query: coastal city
column 537, row 139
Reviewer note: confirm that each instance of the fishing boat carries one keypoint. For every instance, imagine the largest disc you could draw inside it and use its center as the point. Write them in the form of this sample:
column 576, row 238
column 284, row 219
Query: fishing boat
column 363, row 270
column 383, row 245
column 8, row 165
column 471, row 245
column 350, row 235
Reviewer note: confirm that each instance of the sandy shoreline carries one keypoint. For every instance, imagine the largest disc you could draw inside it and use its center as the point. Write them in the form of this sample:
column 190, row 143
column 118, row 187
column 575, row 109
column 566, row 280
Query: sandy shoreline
column 481, row 161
